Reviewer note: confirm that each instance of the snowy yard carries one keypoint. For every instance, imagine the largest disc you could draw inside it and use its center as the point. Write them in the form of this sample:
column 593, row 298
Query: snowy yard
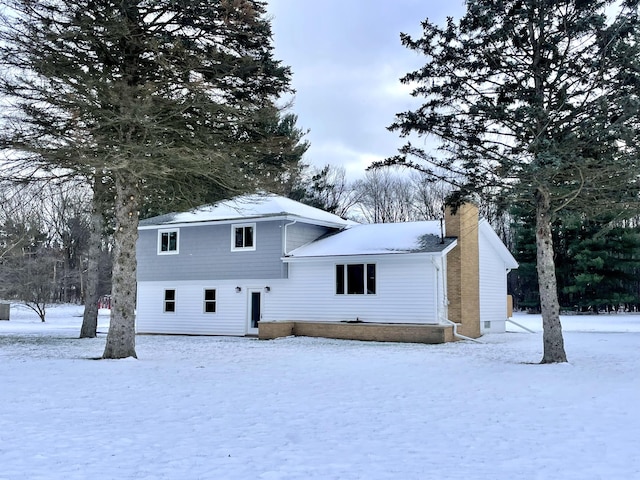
column 301, row 408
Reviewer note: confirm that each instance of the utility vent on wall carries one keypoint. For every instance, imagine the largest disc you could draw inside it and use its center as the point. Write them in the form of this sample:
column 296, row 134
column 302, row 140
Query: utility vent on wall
column 487, row 324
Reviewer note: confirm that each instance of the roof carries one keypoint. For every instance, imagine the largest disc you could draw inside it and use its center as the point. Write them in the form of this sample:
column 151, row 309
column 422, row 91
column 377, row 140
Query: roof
column 379, row 238
column 249, row 207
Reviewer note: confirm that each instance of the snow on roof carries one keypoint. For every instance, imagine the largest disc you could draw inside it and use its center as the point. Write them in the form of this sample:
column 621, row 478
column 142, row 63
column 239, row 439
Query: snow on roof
column 378, row 238
column 249, row 207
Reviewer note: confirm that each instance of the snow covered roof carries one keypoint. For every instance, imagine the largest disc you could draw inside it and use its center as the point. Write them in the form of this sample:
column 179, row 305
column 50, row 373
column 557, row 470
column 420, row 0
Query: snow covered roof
column 378, row 238
column 249, row 207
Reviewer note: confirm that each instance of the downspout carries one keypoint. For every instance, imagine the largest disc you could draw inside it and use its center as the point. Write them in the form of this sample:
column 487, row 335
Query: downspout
column 285, row 236
column 521, row 326
column 510, row 320
column 459, row 335
column 443, row 318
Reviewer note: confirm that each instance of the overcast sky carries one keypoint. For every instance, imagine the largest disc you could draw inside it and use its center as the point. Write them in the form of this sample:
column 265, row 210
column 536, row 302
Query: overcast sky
column 347, row 60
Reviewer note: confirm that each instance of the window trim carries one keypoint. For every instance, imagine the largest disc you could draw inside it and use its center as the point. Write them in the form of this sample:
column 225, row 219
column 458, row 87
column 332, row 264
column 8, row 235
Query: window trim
column 168, row 231
column 165, row 301
column 214, row 301
column 341, row 278
column 236, row 226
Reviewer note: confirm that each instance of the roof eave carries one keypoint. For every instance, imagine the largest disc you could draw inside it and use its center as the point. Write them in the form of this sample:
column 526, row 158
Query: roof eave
column 253, row 218
column 390, row 254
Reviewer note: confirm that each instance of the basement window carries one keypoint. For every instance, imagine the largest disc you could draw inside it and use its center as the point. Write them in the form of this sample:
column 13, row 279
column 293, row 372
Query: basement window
column 356, row 279
column 169, row 301
column 210, row 300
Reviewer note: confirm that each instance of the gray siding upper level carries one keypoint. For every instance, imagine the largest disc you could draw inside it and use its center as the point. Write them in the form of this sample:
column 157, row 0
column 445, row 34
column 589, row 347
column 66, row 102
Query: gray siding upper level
column 299, row 234
column 205, row 252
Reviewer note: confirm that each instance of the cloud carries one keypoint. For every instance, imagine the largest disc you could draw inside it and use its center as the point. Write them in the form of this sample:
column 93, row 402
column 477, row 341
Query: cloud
column 354, row 161
column 347, row 62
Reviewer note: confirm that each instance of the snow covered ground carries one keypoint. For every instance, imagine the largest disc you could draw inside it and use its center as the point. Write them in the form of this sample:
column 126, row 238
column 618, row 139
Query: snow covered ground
column 302, row 408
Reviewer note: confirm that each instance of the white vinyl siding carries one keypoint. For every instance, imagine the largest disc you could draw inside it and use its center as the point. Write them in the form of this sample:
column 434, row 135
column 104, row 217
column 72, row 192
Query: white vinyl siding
column 190, row 317
column 405, row 293
column 493, row 288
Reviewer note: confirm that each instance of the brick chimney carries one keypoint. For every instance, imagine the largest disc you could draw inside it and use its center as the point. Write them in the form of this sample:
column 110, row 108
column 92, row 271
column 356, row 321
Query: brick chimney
column 463, row 270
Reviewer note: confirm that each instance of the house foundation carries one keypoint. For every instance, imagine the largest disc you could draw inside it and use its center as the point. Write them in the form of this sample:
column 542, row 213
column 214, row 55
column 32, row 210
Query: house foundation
column 374, row 332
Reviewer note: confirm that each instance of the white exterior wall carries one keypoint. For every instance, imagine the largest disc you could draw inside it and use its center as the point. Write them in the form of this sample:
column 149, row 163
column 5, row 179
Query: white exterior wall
column 493, row 288
column 189, row 318
column 406, row 285
column 405, row 292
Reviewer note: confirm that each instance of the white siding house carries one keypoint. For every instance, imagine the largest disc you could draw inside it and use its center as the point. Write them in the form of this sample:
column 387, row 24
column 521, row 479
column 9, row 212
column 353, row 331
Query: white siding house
column 495, row 264
column 224, row 268
column 404, row 259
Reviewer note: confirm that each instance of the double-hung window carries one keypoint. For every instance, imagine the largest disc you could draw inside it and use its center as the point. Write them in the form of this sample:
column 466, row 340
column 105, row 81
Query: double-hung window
column 210, row 300
column 168, row 242
column 356, row 279
column 243, row 237
column 169, row 301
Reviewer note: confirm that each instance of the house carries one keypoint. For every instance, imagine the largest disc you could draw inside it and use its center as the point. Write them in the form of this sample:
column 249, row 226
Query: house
column 267, row 265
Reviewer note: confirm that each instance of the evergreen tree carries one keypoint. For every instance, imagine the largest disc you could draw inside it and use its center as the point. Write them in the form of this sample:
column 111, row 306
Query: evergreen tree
column 139, row 91
column 602, row 265
column 534, row 101
column 597, row 264
column 275, row 169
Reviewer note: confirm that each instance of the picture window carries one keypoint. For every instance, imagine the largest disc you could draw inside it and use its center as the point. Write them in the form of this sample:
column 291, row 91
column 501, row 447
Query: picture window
column 356, row 279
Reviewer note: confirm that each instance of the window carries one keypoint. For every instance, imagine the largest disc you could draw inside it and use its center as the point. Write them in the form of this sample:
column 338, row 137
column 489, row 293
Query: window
column 167, row 242
column 169, row 301
column 356, row 279
column 243, row 237
column 210, row 300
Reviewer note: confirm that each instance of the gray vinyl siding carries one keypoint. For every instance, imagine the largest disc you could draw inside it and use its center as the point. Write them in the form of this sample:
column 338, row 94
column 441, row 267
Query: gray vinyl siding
column 205, row 253
column 299, row 234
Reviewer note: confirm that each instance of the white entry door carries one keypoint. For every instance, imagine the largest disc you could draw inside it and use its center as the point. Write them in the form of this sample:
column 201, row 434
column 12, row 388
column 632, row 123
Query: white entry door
column 254, row 310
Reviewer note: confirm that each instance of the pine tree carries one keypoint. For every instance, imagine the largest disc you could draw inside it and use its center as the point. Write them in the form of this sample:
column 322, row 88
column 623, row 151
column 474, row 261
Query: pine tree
column 535, row 102
column 597, row 263
column 139, row 91
column 603, row 263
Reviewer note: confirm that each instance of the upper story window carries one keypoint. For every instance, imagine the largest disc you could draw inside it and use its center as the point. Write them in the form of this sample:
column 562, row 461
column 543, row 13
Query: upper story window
column 168, row 241
column 243, row 237
column 356, row 279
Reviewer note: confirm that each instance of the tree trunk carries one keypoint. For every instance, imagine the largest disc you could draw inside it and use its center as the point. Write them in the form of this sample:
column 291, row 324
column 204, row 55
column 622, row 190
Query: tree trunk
column 121, row 339
column 549, row 305
column 92, row 295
